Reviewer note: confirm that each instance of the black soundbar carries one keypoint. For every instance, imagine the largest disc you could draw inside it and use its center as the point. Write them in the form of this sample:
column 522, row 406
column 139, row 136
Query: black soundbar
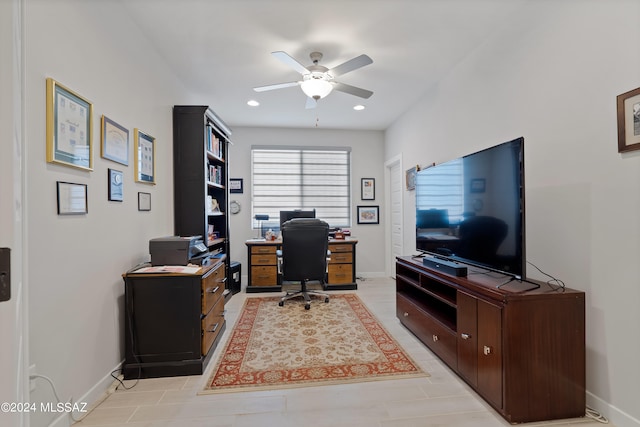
column 449, row 267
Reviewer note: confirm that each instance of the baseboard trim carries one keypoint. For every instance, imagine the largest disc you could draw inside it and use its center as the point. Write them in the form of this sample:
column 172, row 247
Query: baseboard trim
column 93, row 397
column 616, row 416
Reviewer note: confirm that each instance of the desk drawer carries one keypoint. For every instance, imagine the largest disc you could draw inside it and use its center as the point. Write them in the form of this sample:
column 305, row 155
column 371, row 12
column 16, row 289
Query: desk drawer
column 341, row 257
column 271, row 249
column 340, row 248
column 340, row 273
column 212, row 288
column 264, row 276
column 212, row 325
column 263, row 259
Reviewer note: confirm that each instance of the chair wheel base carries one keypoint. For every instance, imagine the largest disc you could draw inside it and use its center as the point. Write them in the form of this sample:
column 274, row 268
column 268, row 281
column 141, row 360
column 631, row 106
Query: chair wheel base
column 307, row 306
column 281, row 303
column 326, row 300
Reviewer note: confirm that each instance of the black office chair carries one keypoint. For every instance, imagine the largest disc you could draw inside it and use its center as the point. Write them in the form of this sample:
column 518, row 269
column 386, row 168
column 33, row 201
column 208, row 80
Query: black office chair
column 304, row 256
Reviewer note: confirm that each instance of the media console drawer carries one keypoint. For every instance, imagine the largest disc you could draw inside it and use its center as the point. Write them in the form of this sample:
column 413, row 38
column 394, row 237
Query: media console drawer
column 439, row 339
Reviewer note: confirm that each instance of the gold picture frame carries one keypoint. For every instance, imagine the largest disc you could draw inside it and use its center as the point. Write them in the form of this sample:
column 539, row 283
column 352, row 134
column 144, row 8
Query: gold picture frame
column 144, row 157
column 628, row 108
column 69, row 127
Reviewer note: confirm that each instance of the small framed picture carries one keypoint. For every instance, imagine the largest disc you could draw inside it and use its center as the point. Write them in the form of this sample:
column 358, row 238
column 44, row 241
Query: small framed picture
column 144, row 201
column 477, row 185
column 115, row 185
column 72, row 198
column 368, row 189
column 368, row 215
column 144, row 151
column 235, row 185
column 628, row 106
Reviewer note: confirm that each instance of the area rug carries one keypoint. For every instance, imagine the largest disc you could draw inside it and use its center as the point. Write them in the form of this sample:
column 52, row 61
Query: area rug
column 274, row 347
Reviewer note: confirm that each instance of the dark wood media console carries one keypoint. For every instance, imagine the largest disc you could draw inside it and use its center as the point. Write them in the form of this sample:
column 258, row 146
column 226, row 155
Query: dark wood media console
column 521, row 349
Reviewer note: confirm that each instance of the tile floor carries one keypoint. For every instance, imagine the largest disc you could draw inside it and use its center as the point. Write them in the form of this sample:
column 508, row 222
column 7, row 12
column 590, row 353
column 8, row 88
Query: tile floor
column 439, row 400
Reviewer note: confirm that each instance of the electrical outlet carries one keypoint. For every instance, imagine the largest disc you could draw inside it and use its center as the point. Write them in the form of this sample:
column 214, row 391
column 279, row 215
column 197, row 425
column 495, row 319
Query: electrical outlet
column 32, row 380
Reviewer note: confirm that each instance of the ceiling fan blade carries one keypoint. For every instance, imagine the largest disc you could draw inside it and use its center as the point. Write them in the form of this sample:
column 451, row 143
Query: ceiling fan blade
column 352, row 90
column 311, row 103
column 350, row 65
column 275, row 86
column 290, row 61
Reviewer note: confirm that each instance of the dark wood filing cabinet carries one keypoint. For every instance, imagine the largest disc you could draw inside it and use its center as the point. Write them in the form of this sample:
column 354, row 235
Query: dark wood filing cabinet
column 173, row 321
column 521, row 349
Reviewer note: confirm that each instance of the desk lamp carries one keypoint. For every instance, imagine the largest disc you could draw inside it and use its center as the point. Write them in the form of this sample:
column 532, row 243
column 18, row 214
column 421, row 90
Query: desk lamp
column 260, row 218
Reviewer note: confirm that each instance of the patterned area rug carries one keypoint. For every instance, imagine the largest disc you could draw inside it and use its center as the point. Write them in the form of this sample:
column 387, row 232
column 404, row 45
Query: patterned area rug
column 283, row 347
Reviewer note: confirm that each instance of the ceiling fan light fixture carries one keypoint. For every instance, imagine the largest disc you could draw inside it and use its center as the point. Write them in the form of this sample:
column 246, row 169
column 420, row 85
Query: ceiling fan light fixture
column 316, row 88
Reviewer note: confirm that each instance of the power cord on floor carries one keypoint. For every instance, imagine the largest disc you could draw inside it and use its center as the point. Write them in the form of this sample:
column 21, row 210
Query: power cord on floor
column 596, row 416
column 74, row 405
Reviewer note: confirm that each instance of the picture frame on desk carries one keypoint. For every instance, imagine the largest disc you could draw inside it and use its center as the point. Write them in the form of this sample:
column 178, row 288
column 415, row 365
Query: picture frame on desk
column 69, row 127
column 628, row 110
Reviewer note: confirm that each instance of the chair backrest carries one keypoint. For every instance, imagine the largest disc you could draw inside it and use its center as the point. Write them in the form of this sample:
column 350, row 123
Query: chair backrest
column 304, row 249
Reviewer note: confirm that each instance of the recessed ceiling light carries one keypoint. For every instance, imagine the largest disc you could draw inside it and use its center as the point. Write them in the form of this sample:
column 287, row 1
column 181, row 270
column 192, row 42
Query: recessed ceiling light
column 358, row 107
column 253, row 103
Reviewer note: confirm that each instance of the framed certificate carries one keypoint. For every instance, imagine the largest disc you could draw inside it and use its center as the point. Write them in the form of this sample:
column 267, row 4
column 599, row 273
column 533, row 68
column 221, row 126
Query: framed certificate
column 69, row 127
column 144, row 150
column 72, row 198
column 115, row 141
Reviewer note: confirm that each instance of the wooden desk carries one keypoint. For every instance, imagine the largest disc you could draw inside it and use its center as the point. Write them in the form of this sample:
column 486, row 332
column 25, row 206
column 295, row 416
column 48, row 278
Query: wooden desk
column 263, row 268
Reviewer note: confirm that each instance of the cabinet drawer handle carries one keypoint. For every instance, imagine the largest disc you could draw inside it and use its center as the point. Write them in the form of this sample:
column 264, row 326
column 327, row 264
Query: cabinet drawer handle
column 222, row 280
column 406, row 314
column 435, row 338
column 215, row 327
column 214, row 290
column 465, row 336
column 486, row 350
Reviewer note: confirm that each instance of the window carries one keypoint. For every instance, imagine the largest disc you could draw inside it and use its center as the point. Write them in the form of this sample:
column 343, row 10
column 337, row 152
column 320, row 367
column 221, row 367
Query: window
column 287, row 178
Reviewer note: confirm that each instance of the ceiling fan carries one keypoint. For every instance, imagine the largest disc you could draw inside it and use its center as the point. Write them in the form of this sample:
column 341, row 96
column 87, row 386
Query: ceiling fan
column 317, row 80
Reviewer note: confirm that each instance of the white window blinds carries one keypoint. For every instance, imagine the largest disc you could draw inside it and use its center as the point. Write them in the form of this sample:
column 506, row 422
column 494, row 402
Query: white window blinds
column 288, row 178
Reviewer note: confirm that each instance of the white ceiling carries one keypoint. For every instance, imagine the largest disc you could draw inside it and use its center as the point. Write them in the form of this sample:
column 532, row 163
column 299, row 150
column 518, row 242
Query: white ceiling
column 221, row 49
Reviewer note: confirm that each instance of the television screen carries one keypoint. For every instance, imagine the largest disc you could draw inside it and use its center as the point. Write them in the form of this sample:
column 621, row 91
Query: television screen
column 471, row 209
column 287, row 215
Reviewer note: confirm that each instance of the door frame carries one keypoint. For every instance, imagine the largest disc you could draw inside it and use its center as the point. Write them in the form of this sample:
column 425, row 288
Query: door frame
column 388, row 165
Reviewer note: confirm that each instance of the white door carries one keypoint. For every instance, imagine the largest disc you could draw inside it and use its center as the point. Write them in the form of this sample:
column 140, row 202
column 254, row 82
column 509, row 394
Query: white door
column 394, row 186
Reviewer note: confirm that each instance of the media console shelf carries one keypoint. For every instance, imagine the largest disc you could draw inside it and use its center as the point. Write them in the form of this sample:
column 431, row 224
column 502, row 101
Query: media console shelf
column 522, row 350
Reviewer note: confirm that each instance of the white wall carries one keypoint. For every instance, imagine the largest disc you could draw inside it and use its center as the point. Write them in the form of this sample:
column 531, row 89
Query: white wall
column 75, row 263
column 552, row 74
column 367, row 149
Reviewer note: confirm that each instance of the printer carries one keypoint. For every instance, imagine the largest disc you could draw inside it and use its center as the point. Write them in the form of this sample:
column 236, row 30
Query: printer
column 176, row 250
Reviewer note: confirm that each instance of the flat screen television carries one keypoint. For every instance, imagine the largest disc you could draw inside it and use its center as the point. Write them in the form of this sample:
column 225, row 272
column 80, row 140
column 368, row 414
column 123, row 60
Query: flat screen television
column 472, row 210
column 298, row 213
